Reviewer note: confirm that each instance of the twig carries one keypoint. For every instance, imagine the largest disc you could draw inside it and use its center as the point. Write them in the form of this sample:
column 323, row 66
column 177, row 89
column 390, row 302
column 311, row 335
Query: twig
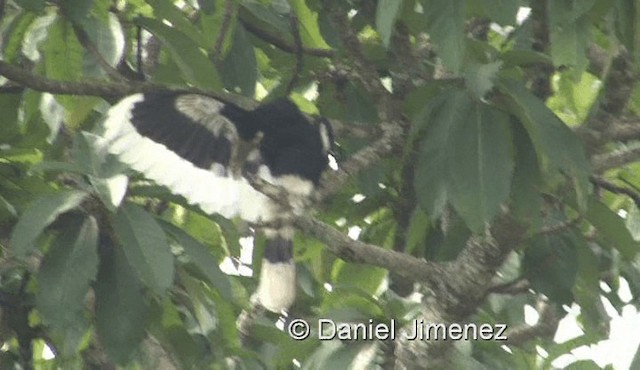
column 281, row 43
column 560, row 227
column 332, row 182
column 545, row 327
column 295, row 31
column 604, row 162
column 602, row 183
column 224, row 29
column 518, row 286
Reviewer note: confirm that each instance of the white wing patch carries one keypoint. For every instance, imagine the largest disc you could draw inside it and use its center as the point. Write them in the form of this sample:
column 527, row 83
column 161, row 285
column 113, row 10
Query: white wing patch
column 206, row 111
column 209, row 190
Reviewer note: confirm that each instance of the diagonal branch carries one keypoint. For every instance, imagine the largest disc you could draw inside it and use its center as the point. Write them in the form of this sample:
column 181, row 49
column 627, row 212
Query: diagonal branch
column 604, row 162
column 366, row 157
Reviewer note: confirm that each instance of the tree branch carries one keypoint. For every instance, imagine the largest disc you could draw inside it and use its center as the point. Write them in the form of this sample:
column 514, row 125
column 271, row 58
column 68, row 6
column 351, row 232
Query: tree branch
column 604, row 162
column 108, row 89
column 358, row 252
column 545, row 327
column 332, row 182
column 602, row 183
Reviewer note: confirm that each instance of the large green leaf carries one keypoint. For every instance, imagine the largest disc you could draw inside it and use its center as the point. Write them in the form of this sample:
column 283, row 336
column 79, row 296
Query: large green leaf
column 64, row 278
column 145, row 246
column 121, row 308
column 557, row 147
column 107, row 36
column 167, row 10
column 239, row 67
column 14, row 35
column 200, row 255
column 39, row 215
column 431, row 170
column 612, row 229
column 190, row 59
column 445, row 20
column 465, row 157
column 525, row 190
column 569, row 33
column 479, row 164
column 551, row 265
column 32, row 5
column 386, row 15
column 64, row 60
column 308, row 25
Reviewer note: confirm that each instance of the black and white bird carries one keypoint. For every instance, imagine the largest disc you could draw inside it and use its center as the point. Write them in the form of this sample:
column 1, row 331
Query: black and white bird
column 204, row 150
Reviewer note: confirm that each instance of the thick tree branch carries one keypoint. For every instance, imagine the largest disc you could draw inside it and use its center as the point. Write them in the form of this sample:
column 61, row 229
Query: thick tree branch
column 356, row 251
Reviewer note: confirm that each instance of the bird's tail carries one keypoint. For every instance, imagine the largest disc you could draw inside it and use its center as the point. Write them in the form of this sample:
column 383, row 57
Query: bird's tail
column 277, row 287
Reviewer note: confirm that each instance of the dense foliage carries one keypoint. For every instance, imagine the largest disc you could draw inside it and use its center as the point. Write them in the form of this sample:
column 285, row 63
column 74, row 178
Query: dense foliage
column 487, row 160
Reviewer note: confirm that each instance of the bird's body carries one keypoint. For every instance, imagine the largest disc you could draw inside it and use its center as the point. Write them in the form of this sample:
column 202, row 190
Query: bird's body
column 205, row 151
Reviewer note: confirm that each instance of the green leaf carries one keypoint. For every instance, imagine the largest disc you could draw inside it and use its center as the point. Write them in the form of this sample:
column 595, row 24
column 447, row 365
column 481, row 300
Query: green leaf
column 386, row 15
column 145, row 246
column 107, row 37
column 239, row 67
column 76, row 10
column 633, row 222
column 200, row 255
column 64, row 60
column 557, row 147
column 445, row 20
column 612, row 228
column 527, row 180
column 551, row 265
column 479, row 164
column 167, row 10
column 32, row 5
column 417, row 230
column 502, row 12
column 479, row 78
column 308, row 24
column 268, row 15
column 63, row 52
column 14, row 35
column 39, row 215
column 366, row 278
column 121, row 308
column 64, row 278
column 190, row 59
column 569, row 42
column 431, row 170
